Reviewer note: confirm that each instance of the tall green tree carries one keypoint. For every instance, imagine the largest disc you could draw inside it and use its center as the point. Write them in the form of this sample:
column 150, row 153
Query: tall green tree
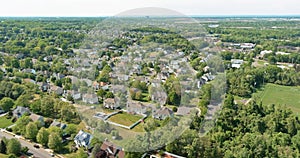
column 6, row 103
column 55, row 142
column 2, row 147
column 42, row 136
column 13, row 146
column 31, row 131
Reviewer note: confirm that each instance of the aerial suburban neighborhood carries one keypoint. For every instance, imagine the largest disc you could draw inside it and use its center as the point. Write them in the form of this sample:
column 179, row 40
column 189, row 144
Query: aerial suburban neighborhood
column 149, row 87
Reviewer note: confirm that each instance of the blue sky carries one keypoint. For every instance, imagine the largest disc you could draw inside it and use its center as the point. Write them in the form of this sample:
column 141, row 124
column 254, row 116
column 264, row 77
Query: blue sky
column 113, row 7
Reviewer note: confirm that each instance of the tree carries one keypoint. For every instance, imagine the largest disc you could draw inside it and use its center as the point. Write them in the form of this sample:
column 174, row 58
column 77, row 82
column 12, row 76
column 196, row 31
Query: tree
column 229, row 101
column 31, row 130
column 101, row 93
column 13, row 146
column 42, row 136
column 296, row 141
column 24, row 100
column 6, row 103
column 272, row 60
column 174, row 98
column 109, row 95
column 55, row 142
column 47, row 106
column 81, row 154
column 15, row 63
column 21, row 123
column 71, row 129
column 24, row 150
column 2, row 147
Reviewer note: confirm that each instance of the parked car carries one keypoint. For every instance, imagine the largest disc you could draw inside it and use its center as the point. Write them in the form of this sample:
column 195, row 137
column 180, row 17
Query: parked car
column 36, row 146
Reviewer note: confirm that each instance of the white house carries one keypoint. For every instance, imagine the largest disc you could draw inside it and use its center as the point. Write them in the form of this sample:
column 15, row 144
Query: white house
column 83, row 139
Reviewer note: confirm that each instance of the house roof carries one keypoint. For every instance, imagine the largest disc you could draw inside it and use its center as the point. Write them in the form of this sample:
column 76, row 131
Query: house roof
column 35, row 117
column 112, row 150
column 137, row 105
column 20, row 110
column 184, row 110
column 56, row 88
column 83, row 137
column 90, row 96
column 58, row 124
column 164, row 111
column 95, row 83
column 110, row 101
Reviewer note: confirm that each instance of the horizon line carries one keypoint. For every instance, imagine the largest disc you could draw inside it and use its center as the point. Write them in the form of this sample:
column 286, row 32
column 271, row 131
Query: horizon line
column 191, row 15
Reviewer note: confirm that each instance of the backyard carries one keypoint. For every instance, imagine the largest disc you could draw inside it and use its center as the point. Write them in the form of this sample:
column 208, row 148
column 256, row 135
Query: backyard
column 125, row 118
column 4, row 122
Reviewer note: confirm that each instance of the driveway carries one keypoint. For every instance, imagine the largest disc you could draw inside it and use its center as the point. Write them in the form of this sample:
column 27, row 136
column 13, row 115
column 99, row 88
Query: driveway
column 41, row 153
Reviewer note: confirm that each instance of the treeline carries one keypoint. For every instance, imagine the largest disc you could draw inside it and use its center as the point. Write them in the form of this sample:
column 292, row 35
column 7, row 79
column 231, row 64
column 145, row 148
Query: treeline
column 32, row 37
column 244, row 131
column 243, row 82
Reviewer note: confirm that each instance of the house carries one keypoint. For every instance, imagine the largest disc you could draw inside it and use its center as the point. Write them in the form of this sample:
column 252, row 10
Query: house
column 90, row 98
column 206, row 69
column 183, row 111
column 118, row 88
column 159, row 96
column 32, row 71
column 20, row 56
column 58, row 124
column 209, row 76
column 247, row 45
column 43, row 86
column 37, row 118
column 103, row 84
column 112, row 150
column 48, row 58
column 163, row 113
column 236, row 63
column 166, row 155
column 28, row 80
column 83, row 139
column 96, row 85
column 58, row 75
column 111, row 103
column 136, row 108
column 87, row 81
column 262, row 53
column 282, row 53
column 201, row 82
column 56, row 89
column 20, row 111
column 74, row 94
column 122, row 77
column 136, row 69
column 213, row 25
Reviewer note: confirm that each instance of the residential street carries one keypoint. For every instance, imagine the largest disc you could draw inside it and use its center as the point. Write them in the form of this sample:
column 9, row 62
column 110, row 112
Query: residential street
column 41, row 153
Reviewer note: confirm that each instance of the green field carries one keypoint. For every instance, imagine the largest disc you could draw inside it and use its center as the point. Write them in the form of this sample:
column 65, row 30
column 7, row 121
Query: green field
column 4, row 122
column 283, row 95
column 3, row 156
column 125, row 119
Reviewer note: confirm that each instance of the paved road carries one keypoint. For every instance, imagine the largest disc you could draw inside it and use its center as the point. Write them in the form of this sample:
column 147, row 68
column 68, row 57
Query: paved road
column 41, row 153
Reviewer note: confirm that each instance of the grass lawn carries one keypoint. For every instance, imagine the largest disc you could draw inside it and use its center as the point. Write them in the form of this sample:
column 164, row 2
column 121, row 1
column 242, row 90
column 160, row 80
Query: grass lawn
column 125, row 118
column 283, row 95
column 240, row 100
column 3, row 156
column 4, row 122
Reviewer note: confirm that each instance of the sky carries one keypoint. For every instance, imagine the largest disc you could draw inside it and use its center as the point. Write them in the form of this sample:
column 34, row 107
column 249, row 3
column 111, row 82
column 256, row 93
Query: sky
column 114, row 7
